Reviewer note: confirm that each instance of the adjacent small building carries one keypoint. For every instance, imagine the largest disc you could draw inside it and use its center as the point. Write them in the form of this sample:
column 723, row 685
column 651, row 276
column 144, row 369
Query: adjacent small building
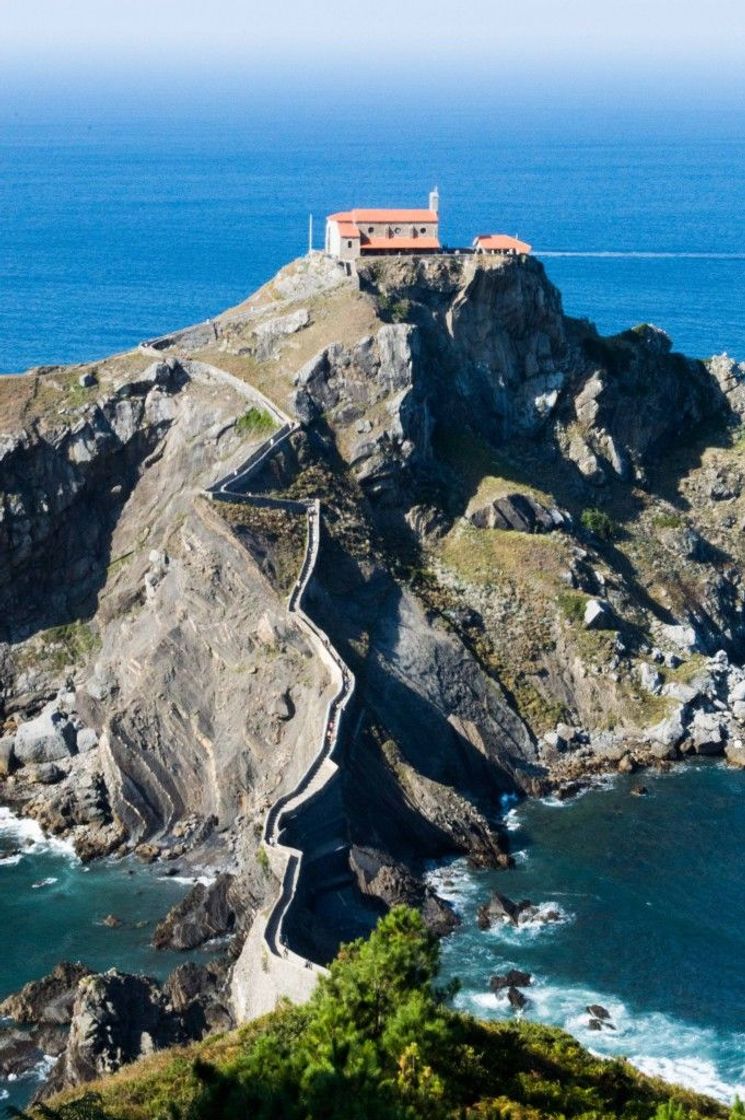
column 499, row 243
column 354, row 233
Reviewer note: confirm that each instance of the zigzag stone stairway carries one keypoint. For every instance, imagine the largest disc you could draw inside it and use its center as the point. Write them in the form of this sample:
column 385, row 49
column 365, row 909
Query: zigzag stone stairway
column 303, row 833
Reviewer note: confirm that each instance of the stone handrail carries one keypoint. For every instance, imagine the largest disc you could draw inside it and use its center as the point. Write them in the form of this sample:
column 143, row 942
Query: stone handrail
column 286, row 862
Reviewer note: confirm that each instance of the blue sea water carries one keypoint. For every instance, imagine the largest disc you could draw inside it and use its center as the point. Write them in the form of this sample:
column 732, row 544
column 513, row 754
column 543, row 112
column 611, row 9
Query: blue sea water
column 114, row 228
column 652, row 897
column 52, row 908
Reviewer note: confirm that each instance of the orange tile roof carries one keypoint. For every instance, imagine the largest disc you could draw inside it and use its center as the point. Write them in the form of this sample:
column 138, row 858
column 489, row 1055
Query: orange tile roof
column 394, row 216
column 372, row 244
column 348, row 229
column 414, row 216
column 501, row 241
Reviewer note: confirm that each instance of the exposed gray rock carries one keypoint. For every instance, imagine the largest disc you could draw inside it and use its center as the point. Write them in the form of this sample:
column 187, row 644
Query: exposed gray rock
column 520, row 513
column 7, row 756
column 206, row 912
column 650, row 679
column 380, row 877
column 599, row 616
column 707, row 733
column 116, row 1018
column 47, row 738
column 49, row 1000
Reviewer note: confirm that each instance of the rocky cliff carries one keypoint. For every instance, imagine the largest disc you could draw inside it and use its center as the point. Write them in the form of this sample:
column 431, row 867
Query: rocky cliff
column 530, row 559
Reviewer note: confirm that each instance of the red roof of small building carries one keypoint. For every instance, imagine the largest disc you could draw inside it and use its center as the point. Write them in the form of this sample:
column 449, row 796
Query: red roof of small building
column 501, row 241
column 348, row 229
column 372, row 244
column 414, row 216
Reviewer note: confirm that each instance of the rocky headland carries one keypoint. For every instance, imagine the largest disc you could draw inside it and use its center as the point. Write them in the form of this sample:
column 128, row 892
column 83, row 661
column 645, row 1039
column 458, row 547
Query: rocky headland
column 530, row 560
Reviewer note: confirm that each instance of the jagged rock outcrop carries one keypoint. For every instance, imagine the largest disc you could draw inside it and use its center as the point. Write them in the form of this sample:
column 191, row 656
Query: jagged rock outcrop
column 116, row 1018
column 208, row 911
column 391, row 883
column 49, row 1000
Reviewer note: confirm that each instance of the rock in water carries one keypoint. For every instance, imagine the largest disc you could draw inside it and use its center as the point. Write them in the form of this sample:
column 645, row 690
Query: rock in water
column 498, row 908
column 515, row 978
column 206, row 912
column 516, row 998
column 598, row 1011
column 49, row 1000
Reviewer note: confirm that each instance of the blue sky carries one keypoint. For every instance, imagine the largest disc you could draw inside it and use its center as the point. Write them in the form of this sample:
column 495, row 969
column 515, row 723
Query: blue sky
column 595, row 33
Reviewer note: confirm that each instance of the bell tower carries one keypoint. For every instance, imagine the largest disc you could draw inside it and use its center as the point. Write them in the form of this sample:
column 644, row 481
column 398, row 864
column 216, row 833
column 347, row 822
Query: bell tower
column 434, row 201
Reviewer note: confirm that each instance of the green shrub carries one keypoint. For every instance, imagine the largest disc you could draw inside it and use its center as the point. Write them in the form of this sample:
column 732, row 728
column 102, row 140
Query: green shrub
column 256, row 421
column 572, row 605
column 667, row 521
column 393, row 310
column 597, row 522
column 670, row 1110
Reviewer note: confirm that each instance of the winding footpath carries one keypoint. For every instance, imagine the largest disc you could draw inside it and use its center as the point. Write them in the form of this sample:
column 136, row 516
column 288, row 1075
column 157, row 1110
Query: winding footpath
column 281, row 971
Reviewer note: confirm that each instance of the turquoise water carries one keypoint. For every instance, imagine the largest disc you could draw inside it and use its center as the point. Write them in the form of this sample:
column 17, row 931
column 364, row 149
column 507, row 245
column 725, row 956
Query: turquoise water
column 52, row 909
column 652, row 894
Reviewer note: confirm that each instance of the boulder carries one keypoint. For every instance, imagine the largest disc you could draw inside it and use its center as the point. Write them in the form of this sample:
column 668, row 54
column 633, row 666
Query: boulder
column 87, row 740
column 520, row 513
column 514, row 978
column 47, row 738
column 87, row 380
column 44, row 774
column 599, row 615
column 707, row 733
column 650, row 679
column 516, row 999
column 498, row 908
column 598, row 1011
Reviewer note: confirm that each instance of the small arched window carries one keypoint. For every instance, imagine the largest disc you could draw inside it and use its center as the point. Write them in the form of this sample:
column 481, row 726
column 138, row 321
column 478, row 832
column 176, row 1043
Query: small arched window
column 423, row 229
column 371, row 229
column 349, row 244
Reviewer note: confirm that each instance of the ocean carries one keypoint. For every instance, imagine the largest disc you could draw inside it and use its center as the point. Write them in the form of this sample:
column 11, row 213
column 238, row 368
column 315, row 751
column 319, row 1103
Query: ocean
column 651, row 896
column 52, row 908
column 115, row 228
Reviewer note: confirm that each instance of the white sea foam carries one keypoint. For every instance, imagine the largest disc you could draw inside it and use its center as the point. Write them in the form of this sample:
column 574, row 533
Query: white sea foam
column 28, row 837
column 511, row 820
column 648, row 1040
column 455, row 882
column 190, row 880
column 43, row 883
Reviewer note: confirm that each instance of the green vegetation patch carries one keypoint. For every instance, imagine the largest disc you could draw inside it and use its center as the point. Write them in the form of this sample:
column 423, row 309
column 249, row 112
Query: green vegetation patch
column 68, row 645
column 598, row 522
column 393, row 310
column 377, row 1041
column 255, row 422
